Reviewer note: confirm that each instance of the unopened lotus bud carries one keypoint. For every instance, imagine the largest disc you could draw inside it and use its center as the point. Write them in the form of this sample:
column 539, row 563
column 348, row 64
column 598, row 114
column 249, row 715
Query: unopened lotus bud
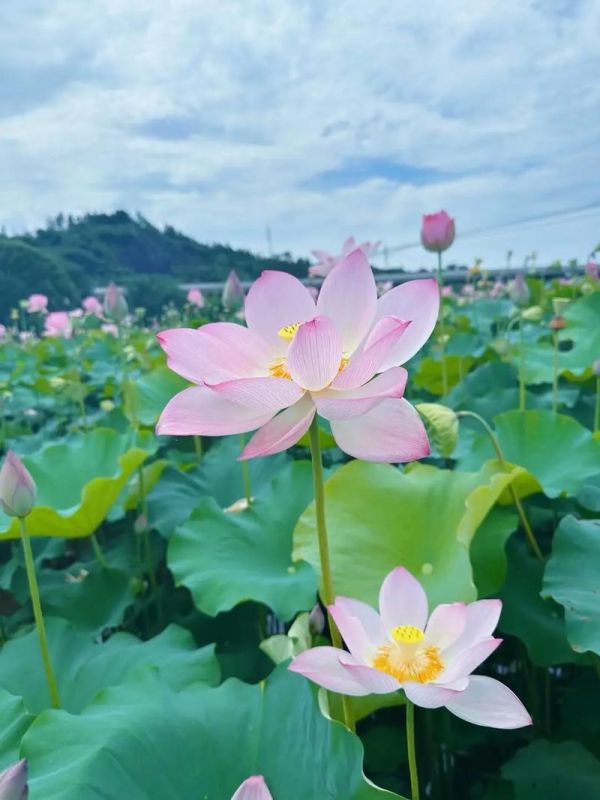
column 253, row 788
column 437, row 231
column 17, row 487
column 13, row 782
column 316, row 621
column 558, row 323
column 115, row 305
column 519, row 291
column 233, row 293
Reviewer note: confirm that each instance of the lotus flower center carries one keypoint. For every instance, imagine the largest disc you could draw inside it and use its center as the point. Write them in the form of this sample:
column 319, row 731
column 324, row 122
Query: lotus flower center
column 278, row 367
column 288, row 331
column 406, row 658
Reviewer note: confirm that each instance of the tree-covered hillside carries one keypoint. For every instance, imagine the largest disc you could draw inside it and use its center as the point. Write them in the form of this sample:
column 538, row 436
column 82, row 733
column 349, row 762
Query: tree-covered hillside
column 70, row 256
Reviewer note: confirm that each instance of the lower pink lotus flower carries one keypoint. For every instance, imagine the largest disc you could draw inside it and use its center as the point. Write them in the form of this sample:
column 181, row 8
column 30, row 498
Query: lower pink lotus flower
column 58, row 323
column 326, row 262
column 254, row 788
column 195, row 298
column 430, row 657
column 91, row 305
column 339, row 357
column 37, row 303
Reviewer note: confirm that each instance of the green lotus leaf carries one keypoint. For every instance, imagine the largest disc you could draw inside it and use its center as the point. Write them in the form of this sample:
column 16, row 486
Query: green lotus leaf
column 225, row 558
column 553, row 771
column 571, row 578
column 143, row 740
column 78, row 481
column 147, row 395
column 14, row 721
column 83, row 666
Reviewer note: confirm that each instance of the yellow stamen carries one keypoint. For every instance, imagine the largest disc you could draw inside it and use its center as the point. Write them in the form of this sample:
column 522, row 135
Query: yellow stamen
column 278, row 370
column 407, row 634
column 407, row 663
column 288, row 331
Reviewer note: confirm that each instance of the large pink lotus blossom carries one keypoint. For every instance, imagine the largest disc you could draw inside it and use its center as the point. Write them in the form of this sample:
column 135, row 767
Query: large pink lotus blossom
column 58, row 323
column 339, row 357
column 437, row 231
column 196, row 298
column 37, row 303
column 91, row 305
column 253, row 788
column 326, row 262
column 430, row 657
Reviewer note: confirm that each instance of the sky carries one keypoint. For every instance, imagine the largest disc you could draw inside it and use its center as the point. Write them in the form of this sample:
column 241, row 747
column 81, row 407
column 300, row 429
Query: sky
column 313, row 120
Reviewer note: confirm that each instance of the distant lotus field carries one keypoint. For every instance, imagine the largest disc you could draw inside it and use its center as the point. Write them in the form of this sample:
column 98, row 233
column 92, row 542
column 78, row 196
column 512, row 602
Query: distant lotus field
column 304, row 544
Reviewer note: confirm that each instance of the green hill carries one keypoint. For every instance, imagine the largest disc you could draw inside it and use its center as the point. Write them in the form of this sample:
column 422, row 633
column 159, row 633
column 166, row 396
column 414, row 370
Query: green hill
column 70, row 256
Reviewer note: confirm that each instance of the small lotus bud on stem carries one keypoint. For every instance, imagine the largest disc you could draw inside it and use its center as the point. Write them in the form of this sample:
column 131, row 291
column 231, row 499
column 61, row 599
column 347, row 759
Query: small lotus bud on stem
column 17, row 487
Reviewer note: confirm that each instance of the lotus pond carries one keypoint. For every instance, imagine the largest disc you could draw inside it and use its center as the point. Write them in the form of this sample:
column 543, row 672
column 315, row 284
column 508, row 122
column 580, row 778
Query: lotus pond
column 178, row 583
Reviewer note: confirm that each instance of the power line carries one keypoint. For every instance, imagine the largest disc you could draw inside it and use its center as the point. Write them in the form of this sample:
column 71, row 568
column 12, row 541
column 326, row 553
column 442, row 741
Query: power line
column 469, row 234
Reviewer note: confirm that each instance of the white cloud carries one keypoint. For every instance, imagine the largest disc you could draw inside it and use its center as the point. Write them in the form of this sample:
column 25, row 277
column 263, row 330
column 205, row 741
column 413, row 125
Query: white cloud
column 219, row 118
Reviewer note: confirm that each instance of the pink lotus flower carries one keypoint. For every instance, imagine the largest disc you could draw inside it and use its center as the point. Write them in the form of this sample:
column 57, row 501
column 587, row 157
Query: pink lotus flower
column 58, row 323
column 196, row 298
column 91, row 305
column 326, row 262
column 3, row 331
column 591, row 270
column 437, row 231
column 13, row 782
column 338, row 357
column 110, row 328
column 447, row 291
column 37, row 303
column 253, row 788
column 431, row 659
column 17, row 487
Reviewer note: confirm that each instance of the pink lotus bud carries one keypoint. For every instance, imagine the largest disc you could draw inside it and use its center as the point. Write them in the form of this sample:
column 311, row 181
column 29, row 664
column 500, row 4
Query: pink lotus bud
column 591, row 270
column 253, row 788
column 115, row 305
column 196, row 298
column 316, row 621
column 17, row 488
column 437, row 232
column 233, row 293
column 91, row 305
column 13, row 782
column 519, row 291
column 37, row 303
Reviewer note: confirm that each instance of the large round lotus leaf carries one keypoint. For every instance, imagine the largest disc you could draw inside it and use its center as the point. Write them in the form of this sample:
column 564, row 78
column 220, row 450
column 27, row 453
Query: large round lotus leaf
column 553, row 771
column 571, row 578
column 147, row 395
column 558, row 452
column 487, row 550
column 424, row 519
column 77, row 483
column 225, row 558
column 219, row 475
column 14, row 721
column 488, row 390
column 142, row 740
column 429, row 374
column 537, row 622
column 83, row 666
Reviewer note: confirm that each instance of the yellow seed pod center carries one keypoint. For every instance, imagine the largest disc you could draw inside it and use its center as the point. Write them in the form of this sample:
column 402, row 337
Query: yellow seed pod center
column 407, row 634
column 288, row 331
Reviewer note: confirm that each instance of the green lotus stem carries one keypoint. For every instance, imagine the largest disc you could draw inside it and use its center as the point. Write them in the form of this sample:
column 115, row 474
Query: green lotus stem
column 326, row 577
column 199, row 447
column 143, row 505
column 100, row 557
column 246, row 473
column 521, row 364
column 597, row 407
column 38, row 616
column 515, row 498
column 412, row 752
column 441, row 324
column 555, row 372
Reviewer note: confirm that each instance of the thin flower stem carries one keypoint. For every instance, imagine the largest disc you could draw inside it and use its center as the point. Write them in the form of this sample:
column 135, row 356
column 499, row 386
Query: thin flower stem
column 246, row 473
column 555, row 372
column 515, row 498
column 198, row 446
column 441, row 324
column 100, row 557
column 597, row 408
column 143, row 505
column 326, row 577
column 38, row 616
column 521, row 364
column 412, row 752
